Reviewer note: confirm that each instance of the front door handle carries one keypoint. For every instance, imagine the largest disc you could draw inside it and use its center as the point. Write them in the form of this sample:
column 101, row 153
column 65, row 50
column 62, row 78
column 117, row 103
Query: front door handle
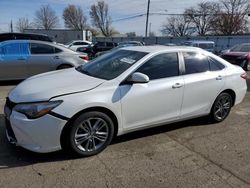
column 177, row 85
column 56, row 57
column 219, row 77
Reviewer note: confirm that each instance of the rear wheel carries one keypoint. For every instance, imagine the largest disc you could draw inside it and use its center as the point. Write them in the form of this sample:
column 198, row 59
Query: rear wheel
column 221, row 107
column 90, row 133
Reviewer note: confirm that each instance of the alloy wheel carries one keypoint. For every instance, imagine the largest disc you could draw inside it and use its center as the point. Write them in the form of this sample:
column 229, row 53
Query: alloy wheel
column 91, row 134
column 222, row 107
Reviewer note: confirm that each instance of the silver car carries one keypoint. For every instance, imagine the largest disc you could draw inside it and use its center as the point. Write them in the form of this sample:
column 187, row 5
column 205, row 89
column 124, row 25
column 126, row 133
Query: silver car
column 20, row 59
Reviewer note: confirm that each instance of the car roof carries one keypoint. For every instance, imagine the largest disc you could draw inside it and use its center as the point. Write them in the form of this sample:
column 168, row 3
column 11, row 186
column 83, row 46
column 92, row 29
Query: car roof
column 160, row 48
column 38, row 41
column 81, row 41
column 24, row 34
column 198, row 41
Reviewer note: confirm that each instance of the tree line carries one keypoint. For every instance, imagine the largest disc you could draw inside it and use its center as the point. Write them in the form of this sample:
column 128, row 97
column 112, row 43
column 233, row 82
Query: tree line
column 74, row 18
column 225, row 17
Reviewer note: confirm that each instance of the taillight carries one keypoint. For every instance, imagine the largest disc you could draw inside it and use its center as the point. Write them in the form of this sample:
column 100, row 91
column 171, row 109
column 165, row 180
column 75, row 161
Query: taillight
column 84, row 57
column 244, row 75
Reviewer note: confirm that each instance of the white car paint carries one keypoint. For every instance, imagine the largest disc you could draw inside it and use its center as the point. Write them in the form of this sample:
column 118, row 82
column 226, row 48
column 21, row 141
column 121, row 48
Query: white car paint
column 73, row 45
column 135, row 106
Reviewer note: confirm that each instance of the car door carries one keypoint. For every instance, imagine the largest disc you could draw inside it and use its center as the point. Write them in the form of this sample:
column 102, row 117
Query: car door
column 43, row 58
column 157, row 101
column 13, row 60
column 202, row 84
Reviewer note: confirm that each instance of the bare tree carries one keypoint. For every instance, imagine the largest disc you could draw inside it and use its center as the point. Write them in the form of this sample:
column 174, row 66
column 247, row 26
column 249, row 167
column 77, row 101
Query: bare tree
column 22, row 24
column 93, row 31
column 45, row 18
column 177, row 26
column 101, row 19
column 231, row 18
column 74, row 18
column 201, row 16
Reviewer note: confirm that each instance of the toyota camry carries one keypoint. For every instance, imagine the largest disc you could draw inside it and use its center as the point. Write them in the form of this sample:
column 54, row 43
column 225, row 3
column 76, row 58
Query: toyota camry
column 82, row 109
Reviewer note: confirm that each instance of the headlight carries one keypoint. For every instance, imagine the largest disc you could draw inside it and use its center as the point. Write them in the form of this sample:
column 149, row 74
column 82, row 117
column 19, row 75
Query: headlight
column 36, row 110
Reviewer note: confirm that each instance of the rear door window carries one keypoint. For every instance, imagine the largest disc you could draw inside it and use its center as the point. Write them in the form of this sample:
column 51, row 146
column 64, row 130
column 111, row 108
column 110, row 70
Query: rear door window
column 195, row 62
column 215, row 65
column 37, row 48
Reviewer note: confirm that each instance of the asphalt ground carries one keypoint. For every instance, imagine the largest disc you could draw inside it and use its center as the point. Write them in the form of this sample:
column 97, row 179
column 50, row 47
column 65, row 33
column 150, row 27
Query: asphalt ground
column 192, row 153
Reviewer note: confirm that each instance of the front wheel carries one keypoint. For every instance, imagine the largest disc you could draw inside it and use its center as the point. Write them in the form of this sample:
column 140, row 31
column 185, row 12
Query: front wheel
column 91, row 133
column 221, row 107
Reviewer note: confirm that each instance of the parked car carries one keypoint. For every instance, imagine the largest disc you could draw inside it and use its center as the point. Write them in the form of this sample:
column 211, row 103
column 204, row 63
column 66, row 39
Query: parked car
column 123, row 91
column 73, row 45
column 20, row 59
column 239, row 55
column 91, row 50
column 121, row 45
column 206, row 45
column 131, row 43
column 24, row 36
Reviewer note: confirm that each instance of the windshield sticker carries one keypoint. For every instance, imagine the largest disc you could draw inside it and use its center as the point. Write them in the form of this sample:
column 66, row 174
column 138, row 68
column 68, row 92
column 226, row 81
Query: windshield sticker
column 128, row 60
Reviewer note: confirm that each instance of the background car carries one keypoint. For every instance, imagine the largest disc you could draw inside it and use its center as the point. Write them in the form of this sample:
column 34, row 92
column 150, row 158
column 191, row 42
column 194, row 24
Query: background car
column 20, row 59
column 91, row 50
column 239, row 55
column 120, row 45
column 24, row 36
column 205, row 45
column 126, row 90
column 131, row 43
column 73, row 45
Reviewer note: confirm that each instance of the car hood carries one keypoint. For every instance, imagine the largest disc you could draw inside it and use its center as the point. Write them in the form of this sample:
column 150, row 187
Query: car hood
column 43, row 87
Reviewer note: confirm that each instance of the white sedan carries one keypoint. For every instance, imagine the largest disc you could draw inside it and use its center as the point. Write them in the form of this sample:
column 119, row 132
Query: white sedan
column 128, row 89
column 73, row 45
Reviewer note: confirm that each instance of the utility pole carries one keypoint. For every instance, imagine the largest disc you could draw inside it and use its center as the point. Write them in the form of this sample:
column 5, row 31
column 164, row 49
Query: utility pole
column 11, row 27
column 146, row 32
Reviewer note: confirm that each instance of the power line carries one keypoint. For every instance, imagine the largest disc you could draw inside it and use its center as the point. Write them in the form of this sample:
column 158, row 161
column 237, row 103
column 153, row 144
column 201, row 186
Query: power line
column 161, row 14
column 146, row 31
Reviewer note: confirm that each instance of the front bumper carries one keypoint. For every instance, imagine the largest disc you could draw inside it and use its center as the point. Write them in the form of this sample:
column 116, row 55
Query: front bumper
column 40, row 135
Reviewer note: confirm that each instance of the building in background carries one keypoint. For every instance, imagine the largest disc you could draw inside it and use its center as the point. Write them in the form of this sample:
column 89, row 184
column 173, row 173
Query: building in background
column 63, row 35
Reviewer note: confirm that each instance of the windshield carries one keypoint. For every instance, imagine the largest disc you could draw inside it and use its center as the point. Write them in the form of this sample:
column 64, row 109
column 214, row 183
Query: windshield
column 241, row 48
column 111, row 65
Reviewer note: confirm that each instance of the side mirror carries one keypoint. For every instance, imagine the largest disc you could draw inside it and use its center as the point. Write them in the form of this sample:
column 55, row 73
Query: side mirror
column 138, row 77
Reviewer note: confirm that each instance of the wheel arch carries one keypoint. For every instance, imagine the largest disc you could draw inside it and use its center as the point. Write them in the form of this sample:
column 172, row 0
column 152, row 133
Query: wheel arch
column 231, row 93
column 64, row 64
column 91, row 109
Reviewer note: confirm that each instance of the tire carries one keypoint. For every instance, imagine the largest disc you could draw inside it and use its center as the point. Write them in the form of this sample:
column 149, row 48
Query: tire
column 90, row 133
column 64, row 67
column 221, row 108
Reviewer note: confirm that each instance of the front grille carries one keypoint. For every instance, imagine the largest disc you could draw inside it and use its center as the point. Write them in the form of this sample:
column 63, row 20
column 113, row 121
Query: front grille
column 10, row 104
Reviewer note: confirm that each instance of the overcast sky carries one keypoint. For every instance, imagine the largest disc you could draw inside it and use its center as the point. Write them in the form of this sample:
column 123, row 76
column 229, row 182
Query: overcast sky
column 14, row 9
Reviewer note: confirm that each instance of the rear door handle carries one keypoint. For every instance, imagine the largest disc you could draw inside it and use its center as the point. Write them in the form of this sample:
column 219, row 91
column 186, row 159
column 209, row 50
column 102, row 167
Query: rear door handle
column 56, row 57
column 177, row 85
column 219, row 77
